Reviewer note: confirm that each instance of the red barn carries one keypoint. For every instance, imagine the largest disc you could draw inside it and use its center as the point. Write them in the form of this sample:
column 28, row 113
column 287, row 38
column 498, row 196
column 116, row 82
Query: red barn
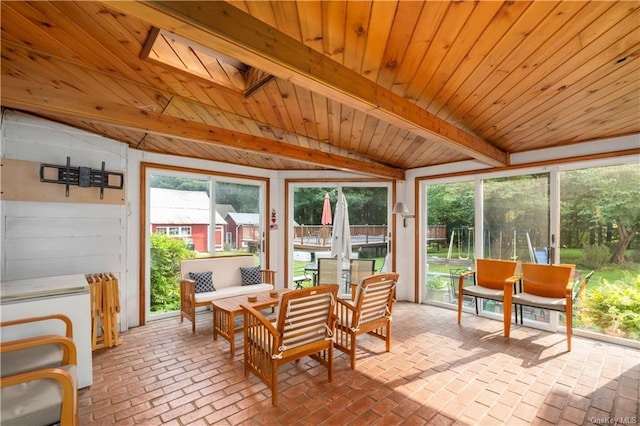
column 185, row 215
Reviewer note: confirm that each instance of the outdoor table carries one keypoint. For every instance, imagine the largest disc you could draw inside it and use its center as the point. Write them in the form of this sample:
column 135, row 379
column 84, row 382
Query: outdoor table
column 226, row 310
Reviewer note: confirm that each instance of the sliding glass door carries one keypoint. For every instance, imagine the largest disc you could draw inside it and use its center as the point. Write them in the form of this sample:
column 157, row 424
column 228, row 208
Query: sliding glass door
column 497, row 218
column 336, row 221
column 185, row 221
column 585, row 216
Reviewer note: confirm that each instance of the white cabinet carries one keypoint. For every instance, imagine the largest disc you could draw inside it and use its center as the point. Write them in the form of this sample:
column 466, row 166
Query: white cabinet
column 67, row 295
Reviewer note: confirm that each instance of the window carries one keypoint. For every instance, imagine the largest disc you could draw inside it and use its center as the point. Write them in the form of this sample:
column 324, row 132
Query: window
column 586, row 216
column 184, row 222
column 312, row 235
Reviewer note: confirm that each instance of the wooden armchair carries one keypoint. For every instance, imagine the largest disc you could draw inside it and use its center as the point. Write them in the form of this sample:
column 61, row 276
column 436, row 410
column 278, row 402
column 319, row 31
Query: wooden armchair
column 491, row 279
column 304, row 326
column 546, row 287
column 369, row 313
column 39, row 378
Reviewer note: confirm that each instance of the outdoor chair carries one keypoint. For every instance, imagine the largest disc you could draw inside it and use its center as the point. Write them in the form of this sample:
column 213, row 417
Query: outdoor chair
column 546, row 287
column 358, row 270
column 327, row 271
column 369, row 313
column 304, row 326
column 490, row 279
column 39, row 377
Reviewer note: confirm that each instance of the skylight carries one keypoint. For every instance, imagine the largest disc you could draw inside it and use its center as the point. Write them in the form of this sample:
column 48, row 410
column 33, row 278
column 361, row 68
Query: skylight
column 187, row 56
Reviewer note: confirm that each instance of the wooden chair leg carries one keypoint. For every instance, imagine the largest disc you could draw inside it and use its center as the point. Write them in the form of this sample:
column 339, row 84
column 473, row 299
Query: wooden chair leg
column 569, row 320
column 460, row 298
column 507, row 316
column 353, row 351
column 274, row 384
column 330, row 364
column 388, row 336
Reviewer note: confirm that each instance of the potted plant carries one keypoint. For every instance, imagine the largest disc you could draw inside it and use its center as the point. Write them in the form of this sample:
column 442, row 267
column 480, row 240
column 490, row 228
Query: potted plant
column 437, row 288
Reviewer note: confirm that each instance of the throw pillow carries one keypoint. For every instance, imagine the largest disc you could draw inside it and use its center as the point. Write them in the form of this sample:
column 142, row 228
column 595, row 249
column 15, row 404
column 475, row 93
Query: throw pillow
column 204, row 281
column 251, row 275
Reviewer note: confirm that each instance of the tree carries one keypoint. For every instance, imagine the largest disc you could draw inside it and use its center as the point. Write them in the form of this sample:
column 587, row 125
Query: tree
column 618, row 202
column 451, row 204
column 243, row 198
column 603, row 197
column 183, row 184
column 367, row 205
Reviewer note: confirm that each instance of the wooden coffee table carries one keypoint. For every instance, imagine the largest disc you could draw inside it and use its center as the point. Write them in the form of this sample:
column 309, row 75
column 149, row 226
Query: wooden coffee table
column 226, row 310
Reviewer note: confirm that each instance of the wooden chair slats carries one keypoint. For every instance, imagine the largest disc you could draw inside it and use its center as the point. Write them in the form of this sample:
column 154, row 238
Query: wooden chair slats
column 369, row 313
column 304, row 327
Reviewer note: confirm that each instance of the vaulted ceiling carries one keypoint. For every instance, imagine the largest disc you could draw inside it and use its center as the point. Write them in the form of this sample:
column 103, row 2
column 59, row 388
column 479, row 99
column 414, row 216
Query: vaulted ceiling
column 374, row 87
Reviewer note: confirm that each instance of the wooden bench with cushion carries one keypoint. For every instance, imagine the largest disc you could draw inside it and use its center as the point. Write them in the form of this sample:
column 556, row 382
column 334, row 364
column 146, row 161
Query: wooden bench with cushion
column 210, row 278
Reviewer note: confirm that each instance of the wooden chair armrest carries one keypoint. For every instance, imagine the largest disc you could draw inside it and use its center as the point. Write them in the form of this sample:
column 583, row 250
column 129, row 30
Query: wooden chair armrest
column 70, row 354
column 510, row 287
column 464, row 274
column 187, row 289
column 268, row 276
column 248, row 310
column 512, row 281
column 346, row 304
column 568, row 290
column 254, row 319
column 57, row 374
column 63, row 318
column 342, row 313
column 68, row 413
column 461, row 279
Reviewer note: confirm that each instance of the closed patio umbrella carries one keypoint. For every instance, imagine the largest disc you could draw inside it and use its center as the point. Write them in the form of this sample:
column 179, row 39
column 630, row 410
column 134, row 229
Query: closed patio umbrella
column 341, row 239
column 326, row 216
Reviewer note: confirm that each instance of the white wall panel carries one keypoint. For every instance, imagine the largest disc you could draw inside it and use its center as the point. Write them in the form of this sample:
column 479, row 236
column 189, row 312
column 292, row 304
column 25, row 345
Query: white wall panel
column 47, row 239
column 25, row 269
column 49, row 248
column 48, row 226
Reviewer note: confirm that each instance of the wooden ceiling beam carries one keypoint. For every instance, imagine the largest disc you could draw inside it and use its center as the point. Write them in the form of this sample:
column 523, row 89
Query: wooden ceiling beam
column 43, row 101
column 228, row 30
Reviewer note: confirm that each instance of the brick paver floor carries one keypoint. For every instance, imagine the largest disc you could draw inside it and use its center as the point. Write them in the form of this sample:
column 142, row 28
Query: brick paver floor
column 436, row 373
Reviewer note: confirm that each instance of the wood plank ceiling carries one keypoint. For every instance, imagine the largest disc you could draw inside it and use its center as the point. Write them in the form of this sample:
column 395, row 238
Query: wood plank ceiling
column 375, row 87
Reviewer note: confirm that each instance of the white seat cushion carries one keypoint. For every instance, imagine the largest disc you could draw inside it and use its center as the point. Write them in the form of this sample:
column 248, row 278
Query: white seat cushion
column 38, row 402
column 483, row 292
column 43, row 356
column 540, row 302
column 232, row 291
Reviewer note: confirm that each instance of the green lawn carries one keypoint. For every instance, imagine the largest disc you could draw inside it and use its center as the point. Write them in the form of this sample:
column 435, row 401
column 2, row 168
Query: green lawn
column 610, row 272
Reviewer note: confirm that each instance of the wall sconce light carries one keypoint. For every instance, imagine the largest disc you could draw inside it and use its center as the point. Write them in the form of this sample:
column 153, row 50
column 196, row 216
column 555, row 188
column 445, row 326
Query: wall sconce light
column 403, row 211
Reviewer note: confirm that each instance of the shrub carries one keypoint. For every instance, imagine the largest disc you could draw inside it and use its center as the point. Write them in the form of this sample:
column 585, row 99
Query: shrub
column 613, row 307
column 166, row 254
column 436, row 282
column 595, row 256
column 635, row 256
